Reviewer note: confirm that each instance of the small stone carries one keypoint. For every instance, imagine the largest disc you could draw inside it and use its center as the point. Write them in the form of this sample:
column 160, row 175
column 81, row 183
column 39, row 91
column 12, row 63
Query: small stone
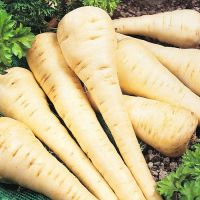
column 157, row 163
column 155, row 159
column 166, row 160
column 150, row 156
column 150, row 164
column 162, row 167
column 154, row 173
column 162, row 174
column 150, row 151
column 173, row 166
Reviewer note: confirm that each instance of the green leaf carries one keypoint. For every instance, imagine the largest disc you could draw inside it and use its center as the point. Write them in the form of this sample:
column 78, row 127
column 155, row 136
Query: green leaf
column 192, row 157
column 2, row 5
column 107, row 5
column 190, row 190
column 167, row 186
column 35, row 14
column 186, row 179
column 17, row 51
column 14, row 40
column 24, row 36
column 5, row 55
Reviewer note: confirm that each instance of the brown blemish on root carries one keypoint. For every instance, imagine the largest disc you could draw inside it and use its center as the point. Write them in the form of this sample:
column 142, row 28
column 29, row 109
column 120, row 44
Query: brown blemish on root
column 31, row 163
column 16, row 151
column 19, row 97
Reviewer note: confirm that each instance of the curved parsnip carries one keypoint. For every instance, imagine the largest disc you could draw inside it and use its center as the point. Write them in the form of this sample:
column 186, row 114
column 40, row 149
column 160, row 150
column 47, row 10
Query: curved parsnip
column 165, row 127
column 183, row 63
column 22, row 99
column 141, row 74
column 72, row 105
column 180, row 27
column 25, row 161
column 88, row 43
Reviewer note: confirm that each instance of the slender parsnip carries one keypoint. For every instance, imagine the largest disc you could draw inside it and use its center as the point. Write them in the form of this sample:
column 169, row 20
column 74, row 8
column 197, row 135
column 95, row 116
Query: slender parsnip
column 65, row 91
column 141, row 74
column 25, row 161
column 183, row 63
column 165, row 127
column 22, row 99
column 88, row 42
column 180, row 27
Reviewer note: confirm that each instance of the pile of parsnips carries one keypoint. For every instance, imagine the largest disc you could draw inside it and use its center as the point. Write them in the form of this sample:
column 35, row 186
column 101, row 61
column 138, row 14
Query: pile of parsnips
column 86, row 47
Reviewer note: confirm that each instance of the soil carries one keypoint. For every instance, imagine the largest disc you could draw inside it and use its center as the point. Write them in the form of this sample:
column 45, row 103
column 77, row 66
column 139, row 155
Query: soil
column 129, row 8
column 159, row 164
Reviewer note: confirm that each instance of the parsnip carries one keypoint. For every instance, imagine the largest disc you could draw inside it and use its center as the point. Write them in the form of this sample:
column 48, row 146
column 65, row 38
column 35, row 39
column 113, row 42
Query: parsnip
column 183, row 63
column 180, row 27
column 65, row 91
column 25, row 161
column 22, row 99
column 165, row 127
column 88, row 43
column 141, row 74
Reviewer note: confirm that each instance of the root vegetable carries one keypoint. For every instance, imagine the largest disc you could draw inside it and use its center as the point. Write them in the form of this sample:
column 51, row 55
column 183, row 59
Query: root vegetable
column 22, row 99
column 180, row 27
column 88, row 43
column 25, row 161
column 165, row 127
column 141, row 74
column 183, row 63
column 66, row 93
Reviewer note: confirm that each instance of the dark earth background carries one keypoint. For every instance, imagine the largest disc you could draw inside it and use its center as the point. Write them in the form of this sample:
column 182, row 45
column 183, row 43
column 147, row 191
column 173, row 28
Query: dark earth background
column 129, row 8
column 159, row 165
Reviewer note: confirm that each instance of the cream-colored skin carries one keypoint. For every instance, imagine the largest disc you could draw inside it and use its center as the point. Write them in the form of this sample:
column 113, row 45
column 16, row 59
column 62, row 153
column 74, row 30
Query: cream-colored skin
column 183, row 63
column 22, row 99
column 165, row 127
column 141, row 74
column 180, row 27
column 88, row 42
column 72, row 105
column 26, row 162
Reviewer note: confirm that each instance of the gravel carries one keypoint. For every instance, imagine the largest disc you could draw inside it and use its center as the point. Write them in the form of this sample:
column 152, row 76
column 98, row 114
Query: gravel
column 161, row 165
column 129, row 8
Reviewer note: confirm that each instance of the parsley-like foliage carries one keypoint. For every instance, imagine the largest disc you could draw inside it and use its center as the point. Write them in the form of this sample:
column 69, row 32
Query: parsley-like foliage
column 2, row 5
column 107, row 5
column 186, row 180
column 35, row 14
column 15, row 39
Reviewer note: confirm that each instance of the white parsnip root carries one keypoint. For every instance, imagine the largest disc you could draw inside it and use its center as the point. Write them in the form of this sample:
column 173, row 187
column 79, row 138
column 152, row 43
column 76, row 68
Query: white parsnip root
column 183, row 63
column 88, row 42
column 165, row 127
column 180, row 27
column 72, row 105
column 25, row 161
column 141, row 74
column 22, row 99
